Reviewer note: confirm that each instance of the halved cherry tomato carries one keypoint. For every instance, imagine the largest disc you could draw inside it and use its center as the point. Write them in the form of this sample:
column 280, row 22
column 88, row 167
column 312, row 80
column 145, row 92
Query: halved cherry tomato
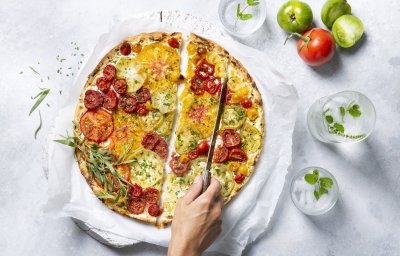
column 110, row 100
column 246, row 103
column 151, row 195
column 150, row 140
column 221, row 154
column 109, row 72
column 141, row 109
column 154, row 210
column 103, row 84
column 239, row 178
column 201, row 51
column 213, row 85
column 136, row 48
column 197, row 86
column 231, row 138
column 135, row 191
column 316, row 46
column 143, row 95
column 193, row 155
column 207, row 67
column 136, row 205
column 96, row 125
column 125, row 49
column 173, row 42
column 120, row 85
column 237, row 154
column 202, row 147
column 202, row 74
column 179, row 167
column 128, row 103
column 93, row 99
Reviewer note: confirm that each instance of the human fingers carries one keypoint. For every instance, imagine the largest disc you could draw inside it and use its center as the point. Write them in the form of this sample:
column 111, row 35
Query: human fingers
column 194, row 190
column 214, row 189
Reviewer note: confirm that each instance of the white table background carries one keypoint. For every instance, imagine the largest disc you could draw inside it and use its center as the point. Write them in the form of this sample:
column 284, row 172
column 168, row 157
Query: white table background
column 366, row 219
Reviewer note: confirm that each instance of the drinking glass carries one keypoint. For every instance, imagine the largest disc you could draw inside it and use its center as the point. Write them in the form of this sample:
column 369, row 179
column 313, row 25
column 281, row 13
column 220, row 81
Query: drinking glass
column 346, row 116
column 302, row 193
column 228, row 15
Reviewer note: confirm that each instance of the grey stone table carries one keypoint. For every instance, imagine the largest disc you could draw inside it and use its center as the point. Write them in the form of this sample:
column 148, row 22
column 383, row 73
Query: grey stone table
column 366, row 220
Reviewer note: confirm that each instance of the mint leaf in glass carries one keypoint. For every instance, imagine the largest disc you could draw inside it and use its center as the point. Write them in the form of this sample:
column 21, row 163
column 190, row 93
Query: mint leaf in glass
column 316, row 194
column 339, row 127
column 329, row 119
column 326, row 182
column 311, row 178
column 354, row 111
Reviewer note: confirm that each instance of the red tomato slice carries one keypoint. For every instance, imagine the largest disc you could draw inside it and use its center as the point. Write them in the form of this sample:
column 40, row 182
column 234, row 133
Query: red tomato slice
column 96, row 125
column 154, row 210
column 151, row 195
column 213, row 85
column 231, row 138
column 109, row 72
column 239, row 178
column 125, row 49
column 221, row 154
column 193, row 155
column 238, row 155
column 178, row 167
column 110, row 100
column 135, row 191
column 202, row 147
column 207, row 67
column 93, row 99
column 136, row 205
column 173, row 42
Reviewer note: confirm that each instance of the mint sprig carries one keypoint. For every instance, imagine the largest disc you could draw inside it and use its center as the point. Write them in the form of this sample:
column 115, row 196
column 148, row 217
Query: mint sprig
column 322, row 184
column 241, row 15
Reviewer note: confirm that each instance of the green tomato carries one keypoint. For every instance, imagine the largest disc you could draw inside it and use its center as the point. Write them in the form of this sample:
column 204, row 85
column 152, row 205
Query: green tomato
column 347, row 30
column 295, row 16
column 332, row 10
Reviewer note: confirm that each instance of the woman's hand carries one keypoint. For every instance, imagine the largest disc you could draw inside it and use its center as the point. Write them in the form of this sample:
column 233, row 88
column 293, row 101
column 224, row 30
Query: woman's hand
column 197, row 223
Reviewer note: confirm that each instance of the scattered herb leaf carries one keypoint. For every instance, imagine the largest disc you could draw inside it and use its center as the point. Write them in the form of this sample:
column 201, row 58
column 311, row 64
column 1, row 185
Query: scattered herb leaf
column 40, row 125
column 34, row 70
column 40, row 97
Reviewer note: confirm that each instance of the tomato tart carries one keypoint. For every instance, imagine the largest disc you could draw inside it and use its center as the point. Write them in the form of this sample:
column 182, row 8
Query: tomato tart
column 130, row 152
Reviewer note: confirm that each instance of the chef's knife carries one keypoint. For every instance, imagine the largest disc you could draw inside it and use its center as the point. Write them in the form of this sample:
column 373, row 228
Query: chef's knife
column 206, row 172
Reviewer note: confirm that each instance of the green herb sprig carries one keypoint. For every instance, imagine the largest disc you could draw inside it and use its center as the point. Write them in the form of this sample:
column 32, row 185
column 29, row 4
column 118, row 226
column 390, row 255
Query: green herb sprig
column 40, row 97
column 100, row 162
column 245, row 16
column 322, row 184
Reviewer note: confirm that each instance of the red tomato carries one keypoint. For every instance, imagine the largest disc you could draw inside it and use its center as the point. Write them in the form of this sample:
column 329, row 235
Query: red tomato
column 221, row 154
column 193, row 155
column 173, row 42
column 239, row 178
column 125, row 48
column 142, row 110
column 202, row 147
column 135, row 191
column 316, row 47
column 151, row 195
column 96, row 125
column 246, row 103
column 136, row 205
column 154, row 210
column 213, row 85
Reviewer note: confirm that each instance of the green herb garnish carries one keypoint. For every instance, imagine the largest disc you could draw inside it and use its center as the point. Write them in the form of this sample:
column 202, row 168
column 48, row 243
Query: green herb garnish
column 40, row 125
column 40, row 97
column 100, row 163
column 245, row 16
column 322, row 185
column 354, row 110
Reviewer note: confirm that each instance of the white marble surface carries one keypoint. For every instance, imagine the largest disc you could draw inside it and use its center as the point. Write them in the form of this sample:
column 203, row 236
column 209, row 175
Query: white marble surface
column 366, row 220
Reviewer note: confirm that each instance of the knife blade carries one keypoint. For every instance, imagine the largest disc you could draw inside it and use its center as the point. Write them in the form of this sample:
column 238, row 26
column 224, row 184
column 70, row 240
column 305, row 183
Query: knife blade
column 206, row 172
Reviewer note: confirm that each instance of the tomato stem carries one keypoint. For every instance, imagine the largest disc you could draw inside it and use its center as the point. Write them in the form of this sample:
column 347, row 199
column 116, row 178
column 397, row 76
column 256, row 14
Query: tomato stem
column 305, row 39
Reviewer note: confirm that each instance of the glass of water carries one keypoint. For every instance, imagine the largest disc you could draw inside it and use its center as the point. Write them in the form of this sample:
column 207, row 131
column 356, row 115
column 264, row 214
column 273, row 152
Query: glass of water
column 346, row 116
column 314, row 190
column 241, row 19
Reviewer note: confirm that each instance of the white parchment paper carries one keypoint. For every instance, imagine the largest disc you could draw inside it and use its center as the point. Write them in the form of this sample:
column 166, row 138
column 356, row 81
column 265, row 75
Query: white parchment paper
column 246, row 217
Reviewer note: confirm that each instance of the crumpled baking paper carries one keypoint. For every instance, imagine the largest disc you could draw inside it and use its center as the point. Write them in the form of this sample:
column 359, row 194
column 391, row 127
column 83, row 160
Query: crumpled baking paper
column 246, row 217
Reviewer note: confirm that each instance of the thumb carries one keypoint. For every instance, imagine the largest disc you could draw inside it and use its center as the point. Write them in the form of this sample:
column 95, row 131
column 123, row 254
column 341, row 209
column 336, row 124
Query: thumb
column 194, row 190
